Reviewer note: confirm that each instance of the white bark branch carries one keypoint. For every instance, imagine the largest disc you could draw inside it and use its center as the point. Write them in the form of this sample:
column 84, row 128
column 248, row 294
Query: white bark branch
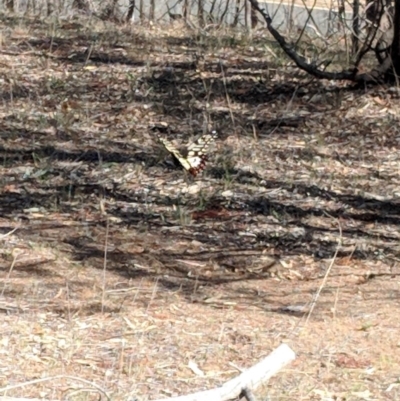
column 251, row 378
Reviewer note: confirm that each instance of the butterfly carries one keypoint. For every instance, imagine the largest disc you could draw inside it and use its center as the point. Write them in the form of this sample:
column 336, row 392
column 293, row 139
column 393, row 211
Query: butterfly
column 192, row 158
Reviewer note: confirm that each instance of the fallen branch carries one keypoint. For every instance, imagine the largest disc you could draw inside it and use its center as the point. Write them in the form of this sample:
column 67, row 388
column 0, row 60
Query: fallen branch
column 246, row 382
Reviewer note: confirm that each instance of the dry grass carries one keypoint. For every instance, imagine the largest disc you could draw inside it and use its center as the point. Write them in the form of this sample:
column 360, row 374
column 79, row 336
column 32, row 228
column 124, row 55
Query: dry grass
column 210, row 270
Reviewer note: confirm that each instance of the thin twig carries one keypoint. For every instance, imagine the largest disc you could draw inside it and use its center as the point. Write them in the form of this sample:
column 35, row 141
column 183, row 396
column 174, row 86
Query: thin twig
column 228, row 100
column 9, row 272
column 103, row 295
column 51, row 378
column 314, row 302
column 10, row 232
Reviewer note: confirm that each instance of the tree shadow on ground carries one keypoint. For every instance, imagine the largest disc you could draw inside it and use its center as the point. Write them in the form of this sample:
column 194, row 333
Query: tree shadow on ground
column 179, row 92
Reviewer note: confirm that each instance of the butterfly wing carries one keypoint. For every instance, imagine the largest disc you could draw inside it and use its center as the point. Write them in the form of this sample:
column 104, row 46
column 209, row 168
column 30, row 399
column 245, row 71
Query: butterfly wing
column 196, row 158
column 197, row 153
column 175, row 152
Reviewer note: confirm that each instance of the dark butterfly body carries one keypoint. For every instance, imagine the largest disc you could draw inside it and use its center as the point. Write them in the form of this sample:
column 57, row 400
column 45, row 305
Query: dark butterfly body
column 192, row 158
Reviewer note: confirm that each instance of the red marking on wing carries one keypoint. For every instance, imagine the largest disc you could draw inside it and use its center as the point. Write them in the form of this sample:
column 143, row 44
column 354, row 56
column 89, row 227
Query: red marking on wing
column 196, row 170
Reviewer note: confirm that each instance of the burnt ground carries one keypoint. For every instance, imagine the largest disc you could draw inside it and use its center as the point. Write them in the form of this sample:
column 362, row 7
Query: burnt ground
column 120, row 269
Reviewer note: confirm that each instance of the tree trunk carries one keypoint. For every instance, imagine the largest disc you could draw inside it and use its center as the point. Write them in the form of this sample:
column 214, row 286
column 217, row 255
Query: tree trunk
column 185, row 9
column 10, row 5
column 200, row 12
column 395, row 51
column 211, row 19
column 356, row 27
column 131, row 10
column 152, row 10
column 223, row 15
column 141, row 12
column 246, row 14
column 237, row 12
column 50, row 7
column 253, row 16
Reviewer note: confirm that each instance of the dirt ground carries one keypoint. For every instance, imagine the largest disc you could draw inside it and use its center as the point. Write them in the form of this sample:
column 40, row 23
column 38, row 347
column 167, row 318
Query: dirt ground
column 120, row 271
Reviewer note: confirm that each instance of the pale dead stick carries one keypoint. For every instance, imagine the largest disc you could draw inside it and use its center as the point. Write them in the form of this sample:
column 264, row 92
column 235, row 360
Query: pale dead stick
column 10, row 232
column 314, row 302
column 15, row 256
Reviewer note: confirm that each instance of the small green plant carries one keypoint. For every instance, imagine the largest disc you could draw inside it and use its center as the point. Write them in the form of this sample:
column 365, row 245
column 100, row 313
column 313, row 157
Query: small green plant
column 202, row 201
column 228, row 179
column 56, row 84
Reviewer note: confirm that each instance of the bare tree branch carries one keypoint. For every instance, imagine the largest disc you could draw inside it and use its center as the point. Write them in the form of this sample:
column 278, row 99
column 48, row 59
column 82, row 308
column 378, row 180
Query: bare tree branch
column 350, row 75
